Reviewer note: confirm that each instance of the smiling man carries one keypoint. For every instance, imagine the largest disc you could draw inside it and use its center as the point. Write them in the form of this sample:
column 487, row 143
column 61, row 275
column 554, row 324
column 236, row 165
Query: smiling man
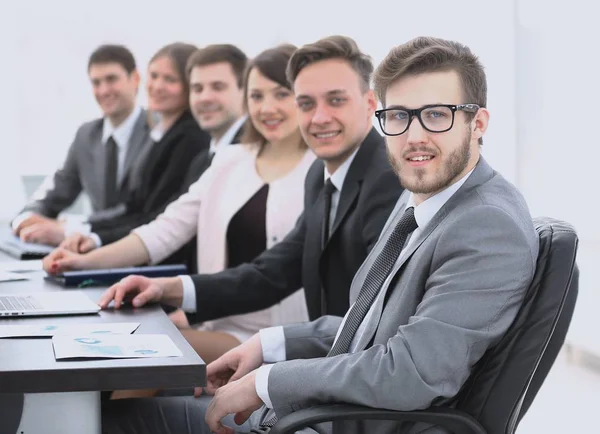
column 216, row 75
column 101, row 156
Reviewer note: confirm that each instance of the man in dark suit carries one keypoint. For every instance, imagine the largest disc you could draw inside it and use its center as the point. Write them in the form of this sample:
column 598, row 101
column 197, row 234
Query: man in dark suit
column 215, row 75
column 100, row 160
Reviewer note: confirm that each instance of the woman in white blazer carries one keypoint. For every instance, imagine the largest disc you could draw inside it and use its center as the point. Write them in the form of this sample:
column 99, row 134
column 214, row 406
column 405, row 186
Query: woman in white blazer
column 246, row 201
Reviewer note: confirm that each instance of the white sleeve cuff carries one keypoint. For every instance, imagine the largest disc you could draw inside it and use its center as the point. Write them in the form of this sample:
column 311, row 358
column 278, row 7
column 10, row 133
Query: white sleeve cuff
column 72, row 226
column 272, row 340
column 188, row 303
column 19, row 219
column 262, row 384
column 94, row 236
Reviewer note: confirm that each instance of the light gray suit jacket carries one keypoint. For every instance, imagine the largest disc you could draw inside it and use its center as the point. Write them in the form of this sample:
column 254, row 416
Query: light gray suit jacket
column 455, row 293
column 83, row 169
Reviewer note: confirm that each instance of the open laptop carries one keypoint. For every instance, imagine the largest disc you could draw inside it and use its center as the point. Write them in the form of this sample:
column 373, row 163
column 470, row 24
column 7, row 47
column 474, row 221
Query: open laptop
column 21, row 250
column 46, row 303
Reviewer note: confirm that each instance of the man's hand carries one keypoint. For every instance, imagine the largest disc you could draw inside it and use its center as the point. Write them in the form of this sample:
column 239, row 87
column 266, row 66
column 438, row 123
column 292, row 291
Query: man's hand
column 47, row 231
column 233, row 365
column 143, row 290
column 239, row 398
column 31, row 220
column 78, row 243
column 61, row 260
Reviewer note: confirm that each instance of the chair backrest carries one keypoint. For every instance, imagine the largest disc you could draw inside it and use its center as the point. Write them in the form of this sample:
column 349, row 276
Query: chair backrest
column 506, row 380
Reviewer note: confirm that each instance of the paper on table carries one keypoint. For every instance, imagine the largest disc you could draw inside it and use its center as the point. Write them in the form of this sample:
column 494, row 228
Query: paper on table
column 114, row 346
column 49, row 329
column 21, row 266
column 5, row 276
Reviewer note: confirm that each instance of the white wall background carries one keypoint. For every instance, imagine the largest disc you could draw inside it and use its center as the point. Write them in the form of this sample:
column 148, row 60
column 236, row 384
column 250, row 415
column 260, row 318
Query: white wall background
column 540, row 58
column 558, row 95
column 51, row 42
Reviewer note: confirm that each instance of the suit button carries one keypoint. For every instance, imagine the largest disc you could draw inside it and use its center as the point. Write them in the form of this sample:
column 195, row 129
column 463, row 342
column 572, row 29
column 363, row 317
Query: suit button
column 274, row 239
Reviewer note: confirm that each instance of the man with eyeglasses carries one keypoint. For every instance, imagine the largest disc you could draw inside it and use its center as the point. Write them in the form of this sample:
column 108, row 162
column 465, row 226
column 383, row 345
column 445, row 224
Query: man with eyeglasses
column 440, row 287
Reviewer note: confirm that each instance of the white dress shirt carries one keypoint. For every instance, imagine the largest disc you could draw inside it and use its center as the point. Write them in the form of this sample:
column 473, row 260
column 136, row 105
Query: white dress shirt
column 273, row 338
column 337, row 179
column 121, row 135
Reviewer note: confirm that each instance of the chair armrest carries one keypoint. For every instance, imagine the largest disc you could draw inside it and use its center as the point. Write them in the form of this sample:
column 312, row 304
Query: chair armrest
column 454, row 420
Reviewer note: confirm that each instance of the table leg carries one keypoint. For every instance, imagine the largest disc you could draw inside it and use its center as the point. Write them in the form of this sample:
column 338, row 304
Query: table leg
column 61, row 413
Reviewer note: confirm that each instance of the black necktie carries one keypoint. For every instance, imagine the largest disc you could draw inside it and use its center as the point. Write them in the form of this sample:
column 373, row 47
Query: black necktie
column 110, row 173
column 379, row 271
column 327, row 192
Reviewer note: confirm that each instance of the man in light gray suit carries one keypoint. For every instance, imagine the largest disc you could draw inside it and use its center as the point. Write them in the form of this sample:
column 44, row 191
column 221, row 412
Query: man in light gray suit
column 440, row 287
column 102, row 154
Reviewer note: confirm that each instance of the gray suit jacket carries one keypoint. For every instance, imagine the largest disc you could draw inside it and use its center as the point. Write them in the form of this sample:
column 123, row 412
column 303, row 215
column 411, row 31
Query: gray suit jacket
column 455, row 293
column 83, row 169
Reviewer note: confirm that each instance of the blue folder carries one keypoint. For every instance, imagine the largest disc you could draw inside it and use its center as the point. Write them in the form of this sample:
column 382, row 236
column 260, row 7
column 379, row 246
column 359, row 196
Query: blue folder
column 108, row 276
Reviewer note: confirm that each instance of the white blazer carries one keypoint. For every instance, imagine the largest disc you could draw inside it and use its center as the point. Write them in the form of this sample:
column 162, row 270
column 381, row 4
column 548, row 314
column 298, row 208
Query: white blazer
column 206, row 210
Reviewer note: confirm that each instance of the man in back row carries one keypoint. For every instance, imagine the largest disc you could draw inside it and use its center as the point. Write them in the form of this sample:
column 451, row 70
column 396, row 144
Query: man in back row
column 440, row 287
column 103, row 149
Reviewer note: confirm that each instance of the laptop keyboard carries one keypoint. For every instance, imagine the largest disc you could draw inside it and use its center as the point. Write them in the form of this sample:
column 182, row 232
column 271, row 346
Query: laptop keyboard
column 19, row 303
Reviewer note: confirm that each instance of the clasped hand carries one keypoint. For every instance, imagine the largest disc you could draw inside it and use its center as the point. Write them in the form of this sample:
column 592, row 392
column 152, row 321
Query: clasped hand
column 232, row 380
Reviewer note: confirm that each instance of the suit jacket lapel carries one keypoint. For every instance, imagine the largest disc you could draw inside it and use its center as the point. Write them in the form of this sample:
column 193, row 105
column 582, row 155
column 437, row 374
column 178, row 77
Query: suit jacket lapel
column 482, row 173
column 354, row 177
column 139, row 138
column 238, row 135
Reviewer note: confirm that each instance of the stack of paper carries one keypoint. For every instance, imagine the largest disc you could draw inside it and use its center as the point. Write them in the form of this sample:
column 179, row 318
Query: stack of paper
column 114, row 346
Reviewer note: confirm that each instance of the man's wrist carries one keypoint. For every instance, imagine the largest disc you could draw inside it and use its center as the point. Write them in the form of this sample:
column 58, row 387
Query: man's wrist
column 172, row 290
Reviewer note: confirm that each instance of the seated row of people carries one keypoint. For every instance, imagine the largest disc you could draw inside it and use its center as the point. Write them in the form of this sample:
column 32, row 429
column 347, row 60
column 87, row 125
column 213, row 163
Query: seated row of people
column 407, row 290
column 251, row 196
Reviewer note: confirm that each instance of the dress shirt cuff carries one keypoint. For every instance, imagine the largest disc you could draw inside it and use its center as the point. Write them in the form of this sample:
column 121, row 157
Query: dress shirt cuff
column 19, row 219
column 96, row 239
column 272, row 340
column 262, row 384
column 72, row 226
column 188, row 303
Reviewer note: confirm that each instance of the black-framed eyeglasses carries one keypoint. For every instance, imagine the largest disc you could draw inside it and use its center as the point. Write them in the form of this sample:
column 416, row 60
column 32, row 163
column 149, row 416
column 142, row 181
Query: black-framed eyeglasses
column 435, row 118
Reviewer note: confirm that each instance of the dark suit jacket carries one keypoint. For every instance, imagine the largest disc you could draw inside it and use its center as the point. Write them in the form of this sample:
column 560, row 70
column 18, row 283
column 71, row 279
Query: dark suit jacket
column 160, row 178
column 83, row 169
column 368, row 195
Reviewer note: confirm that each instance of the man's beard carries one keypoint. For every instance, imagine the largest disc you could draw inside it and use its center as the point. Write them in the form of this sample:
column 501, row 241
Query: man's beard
column 452, row 167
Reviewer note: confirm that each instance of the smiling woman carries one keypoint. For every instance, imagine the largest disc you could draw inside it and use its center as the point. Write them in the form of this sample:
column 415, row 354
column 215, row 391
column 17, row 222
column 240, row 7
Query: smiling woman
column 269, row 100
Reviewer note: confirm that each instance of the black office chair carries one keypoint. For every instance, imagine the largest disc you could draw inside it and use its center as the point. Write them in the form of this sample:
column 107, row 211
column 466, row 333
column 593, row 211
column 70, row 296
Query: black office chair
column 509, row 375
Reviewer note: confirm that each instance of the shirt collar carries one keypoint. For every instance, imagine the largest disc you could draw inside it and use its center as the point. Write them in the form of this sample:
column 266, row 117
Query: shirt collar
column 123, row 132
column 227, row 138
column 338, row 177
column 429, row 208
